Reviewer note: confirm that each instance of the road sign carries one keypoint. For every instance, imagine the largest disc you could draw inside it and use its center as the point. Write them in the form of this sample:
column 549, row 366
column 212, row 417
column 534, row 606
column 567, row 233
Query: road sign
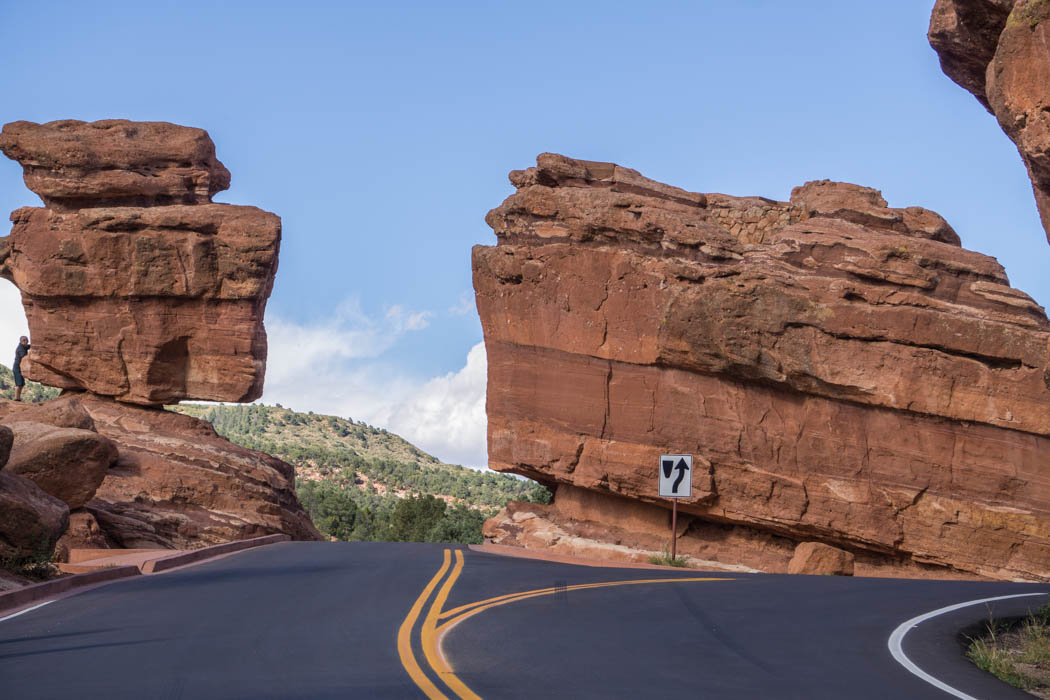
column 676, row 476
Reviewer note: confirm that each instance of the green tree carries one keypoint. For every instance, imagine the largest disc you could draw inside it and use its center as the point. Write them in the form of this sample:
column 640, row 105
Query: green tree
column 415, row 517
column 332, row 509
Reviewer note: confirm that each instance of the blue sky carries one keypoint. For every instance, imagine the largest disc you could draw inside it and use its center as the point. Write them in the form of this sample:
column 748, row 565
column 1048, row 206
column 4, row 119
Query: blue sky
column 382, row 132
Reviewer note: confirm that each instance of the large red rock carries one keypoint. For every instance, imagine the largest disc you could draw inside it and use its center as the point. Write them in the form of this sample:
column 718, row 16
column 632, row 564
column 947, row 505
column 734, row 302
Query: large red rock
column 30, row 520
column 819, row 559
column 135, row 286
column 842, row 371
column 177, row 484
column 999, row 50
column 67, row 463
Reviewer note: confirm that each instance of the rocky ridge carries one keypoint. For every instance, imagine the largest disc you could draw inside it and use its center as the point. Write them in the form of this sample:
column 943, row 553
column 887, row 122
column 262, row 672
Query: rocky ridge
column 843, row 371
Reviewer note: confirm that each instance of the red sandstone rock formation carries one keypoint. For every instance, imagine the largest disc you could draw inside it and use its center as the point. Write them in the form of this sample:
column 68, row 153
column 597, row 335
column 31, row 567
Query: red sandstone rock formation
column 178, row 484
column 842, row 371
column 135, row 286
column 999, row 50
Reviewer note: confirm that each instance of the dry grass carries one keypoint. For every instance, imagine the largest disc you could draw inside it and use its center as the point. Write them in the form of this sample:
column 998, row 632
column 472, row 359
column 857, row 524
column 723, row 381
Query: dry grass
column 1017, row 652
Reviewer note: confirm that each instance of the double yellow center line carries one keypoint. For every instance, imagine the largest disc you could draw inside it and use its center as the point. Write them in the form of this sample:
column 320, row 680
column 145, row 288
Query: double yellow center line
column 431, row 632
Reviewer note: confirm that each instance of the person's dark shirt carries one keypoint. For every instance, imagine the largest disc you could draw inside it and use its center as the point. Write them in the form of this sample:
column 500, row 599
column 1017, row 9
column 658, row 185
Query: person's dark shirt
column 20, row 352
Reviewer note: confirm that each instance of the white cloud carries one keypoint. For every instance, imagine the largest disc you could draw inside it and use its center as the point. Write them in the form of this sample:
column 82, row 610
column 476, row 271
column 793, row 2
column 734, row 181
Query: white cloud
column 13, row 323
column 464, row 306
column 446, row 415
column 338, row 367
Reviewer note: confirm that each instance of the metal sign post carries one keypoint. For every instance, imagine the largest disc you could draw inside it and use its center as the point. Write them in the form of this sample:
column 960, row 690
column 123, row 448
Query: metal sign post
column 676, row 481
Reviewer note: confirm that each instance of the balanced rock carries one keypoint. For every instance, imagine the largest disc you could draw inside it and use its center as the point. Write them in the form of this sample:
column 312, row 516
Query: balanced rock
column 999, row 50
column 839, row 370
column 820, row 559
column 177, row 484
column 67, row 463
column 30, row 520
column 134, row 284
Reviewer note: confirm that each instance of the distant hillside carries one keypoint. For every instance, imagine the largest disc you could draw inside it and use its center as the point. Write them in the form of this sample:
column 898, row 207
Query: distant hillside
column 364, row 483
column 33, row 391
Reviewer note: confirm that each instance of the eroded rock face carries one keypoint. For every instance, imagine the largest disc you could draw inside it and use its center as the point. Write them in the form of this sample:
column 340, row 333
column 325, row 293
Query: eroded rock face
column 176, row 484
column 842, row 371
column 999, row 50
column 135, row 285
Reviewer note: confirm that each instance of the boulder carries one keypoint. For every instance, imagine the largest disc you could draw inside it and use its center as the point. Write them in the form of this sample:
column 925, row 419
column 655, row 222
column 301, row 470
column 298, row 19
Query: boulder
column 839, row 369
column 67, row 463
column 30, row 520
column 999, row 50
column 134, row 284
column 820, row 559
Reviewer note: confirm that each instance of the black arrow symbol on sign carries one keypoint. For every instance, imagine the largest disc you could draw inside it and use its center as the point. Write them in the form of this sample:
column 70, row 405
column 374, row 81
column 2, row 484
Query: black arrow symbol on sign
column 682, row 468
column 668, row 465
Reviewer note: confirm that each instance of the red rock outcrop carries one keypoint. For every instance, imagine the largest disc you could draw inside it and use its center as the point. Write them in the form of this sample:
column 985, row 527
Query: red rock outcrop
column 842, row 371
column 177, row 484
column 999, row 50
column 135, row 285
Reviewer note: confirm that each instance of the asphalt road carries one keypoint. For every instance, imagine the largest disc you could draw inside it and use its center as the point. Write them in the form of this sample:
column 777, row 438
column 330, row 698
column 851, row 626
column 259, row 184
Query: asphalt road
column 365, row 620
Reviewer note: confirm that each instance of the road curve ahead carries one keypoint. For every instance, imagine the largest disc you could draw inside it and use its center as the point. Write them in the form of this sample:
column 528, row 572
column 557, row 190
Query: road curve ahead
column 374, row 620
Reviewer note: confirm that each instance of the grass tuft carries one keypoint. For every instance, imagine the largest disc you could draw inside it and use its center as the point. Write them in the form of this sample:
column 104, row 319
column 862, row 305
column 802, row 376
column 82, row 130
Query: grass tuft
column 665, row 559
column 1016, row 651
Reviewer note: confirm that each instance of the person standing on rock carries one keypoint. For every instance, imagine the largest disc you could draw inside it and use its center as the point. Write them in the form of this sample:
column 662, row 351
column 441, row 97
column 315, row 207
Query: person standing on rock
column 21, row 351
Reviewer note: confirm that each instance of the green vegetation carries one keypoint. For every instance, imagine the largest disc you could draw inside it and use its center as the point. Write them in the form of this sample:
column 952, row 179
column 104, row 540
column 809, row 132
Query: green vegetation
column 1017, row 651
column 665, row 559
column 361, row 483
column 32, row 392
column 37, row 566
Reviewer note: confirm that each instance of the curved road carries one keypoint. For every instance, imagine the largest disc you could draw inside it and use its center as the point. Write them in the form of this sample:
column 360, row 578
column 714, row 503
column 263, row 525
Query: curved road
column 373, row 620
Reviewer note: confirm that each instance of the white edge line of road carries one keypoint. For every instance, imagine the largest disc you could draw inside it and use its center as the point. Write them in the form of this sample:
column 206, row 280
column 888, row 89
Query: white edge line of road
column 898, row 637
column 23, row 612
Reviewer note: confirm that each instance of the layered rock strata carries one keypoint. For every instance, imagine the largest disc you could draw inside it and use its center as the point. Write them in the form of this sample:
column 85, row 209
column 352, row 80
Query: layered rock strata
column 999, row 50
column 843, row 371
column 135, row 285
